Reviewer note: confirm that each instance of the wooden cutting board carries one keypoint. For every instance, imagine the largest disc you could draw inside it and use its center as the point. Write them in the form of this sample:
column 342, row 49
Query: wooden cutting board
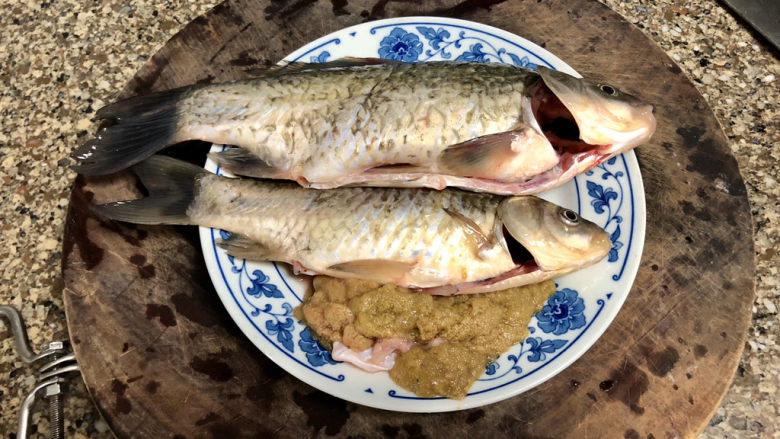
column 161, row 357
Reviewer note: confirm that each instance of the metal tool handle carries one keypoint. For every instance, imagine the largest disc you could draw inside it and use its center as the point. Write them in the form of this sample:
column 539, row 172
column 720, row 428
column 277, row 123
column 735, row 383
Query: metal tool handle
column 29, row 400
column 20, row 337
column 19, row 333
column 50, row 375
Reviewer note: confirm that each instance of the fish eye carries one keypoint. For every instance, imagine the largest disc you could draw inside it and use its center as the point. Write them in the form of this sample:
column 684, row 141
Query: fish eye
column 569, row 217
column 608, row 89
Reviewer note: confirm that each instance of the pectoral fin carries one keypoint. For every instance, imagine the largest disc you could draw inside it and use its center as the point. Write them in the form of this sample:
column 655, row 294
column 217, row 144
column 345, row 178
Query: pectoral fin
column 242, row 162
column 509, row 156
column 379, row 270
column 241, row 246
column 482, row 243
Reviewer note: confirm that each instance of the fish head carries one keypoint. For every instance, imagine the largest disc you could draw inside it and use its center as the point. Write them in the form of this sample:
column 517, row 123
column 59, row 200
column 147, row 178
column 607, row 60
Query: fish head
column 555, row 237
column 606, row 117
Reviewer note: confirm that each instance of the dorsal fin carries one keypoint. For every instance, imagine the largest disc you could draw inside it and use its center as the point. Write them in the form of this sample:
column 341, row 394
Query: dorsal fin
column 297, row 66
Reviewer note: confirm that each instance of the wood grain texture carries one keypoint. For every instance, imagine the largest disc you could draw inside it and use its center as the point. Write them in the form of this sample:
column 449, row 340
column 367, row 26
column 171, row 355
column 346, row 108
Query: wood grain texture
column 161, row 357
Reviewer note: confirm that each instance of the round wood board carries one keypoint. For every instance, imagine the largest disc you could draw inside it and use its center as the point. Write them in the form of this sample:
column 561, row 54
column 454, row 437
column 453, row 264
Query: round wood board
column 162, row 358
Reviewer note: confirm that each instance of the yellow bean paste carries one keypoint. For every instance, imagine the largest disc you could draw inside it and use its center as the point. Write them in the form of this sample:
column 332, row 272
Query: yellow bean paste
column 455, row 336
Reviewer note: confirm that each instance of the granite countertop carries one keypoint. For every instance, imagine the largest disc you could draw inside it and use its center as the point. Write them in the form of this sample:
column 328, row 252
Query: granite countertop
column 63, row 59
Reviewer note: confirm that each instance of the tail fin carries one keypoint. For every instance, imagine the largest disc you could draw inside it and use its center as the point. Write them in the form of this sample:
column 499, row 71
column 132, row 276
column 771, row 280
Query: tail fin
column 171, row 184
column 143, row 125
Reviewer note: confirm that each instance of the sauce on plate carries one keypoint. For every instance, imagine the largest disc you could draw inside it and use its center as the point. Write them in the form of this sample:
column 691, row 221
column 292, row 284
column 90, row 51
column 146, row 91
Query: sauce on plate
column 455, row 337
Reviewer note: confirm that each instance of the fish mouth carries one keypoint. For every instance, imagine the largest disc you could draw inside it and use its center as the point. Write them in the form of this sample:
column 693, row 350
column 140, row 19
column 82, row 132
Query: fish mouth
column 526, row 266
column 558, row 124
column 560, row 128
column 578, row 114
column 539, row 235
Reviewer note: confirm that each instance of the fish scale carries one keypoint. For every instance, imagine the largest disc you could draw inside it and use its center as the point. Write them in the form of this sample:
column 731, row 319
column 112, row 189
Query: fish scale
column 436, row 105
column 401, row 113
column 294, row 99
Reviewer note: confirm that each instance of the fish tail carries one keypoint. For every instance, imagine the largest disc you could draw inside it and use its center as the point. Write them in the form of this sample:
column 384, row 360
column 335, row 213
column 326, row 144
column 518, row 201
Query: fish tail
column 142, row 126
column 171, row 185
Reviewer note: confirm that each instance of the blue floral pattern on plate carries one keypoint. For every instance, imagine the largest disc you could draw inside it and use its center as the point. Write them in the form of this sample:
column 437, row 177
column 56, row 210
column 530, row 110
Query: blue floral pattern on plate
column 400, row 46
column 280, row 324
column 404, row 45
column 261, row 297
column 607, row 199
column 563, row 311
column 315, row 353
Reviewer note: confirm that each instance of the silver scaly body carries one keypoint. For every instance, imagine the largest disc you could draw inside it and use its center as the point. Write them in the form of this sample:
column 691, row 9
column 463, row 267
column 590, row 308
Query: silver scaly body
column 324, row 125
column 322, row 229
column 446, row 242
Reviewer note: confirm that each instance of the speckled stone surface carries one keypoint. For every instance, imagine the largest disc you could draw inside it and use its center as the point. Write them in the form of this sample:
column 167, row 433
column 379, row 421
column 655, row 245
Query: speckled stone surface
column 63, row 59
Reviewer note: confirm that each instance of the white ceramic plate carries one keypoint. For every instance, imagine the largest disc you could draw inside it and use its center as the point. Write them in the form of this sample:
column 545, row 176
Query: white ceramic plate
column 260, row 297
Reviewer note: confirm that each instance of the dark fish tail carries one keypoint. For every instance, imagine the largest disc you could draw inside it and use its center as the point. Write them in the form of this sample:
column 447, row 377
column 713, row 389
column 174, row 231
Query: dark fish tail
column 142, row 126
column 171, row 185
